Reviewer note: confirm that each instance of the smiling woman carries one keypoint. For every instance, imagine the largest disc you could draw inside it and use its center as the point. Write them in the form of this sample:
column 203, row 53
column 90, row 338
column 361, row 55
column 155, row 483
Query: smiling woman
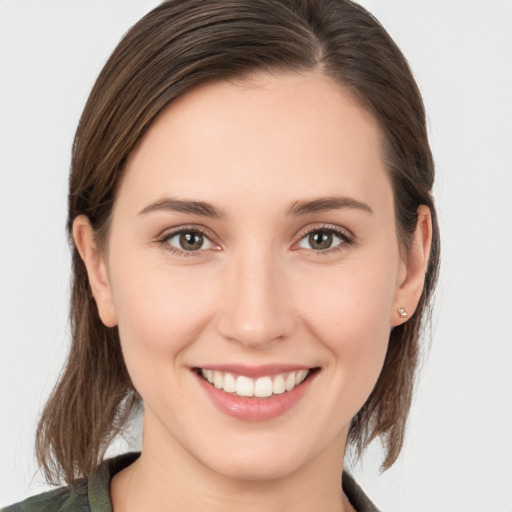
column 246, row 282
column 255, row 245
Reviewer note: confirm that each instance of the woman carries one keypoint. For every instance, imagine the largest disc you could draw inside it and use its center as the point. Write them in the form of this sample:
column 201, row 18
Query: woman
column 255, row 246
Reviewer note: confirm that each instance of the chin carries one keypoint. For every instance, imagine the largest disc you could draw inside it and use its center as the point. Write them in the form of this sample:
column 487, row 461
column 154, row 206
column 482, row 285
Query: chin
column 254, row 467
column 263, row 457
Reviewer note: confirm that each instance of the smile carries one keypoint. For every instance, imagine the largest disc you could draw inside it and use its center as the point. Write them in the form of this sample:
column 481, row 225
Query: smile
column 261, row 387
column 255, row 393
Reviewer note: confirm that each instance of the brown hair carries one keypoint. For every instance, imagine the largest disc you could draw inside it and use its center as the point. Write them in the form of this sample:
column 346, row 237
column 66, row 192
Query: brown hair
column 173, row 49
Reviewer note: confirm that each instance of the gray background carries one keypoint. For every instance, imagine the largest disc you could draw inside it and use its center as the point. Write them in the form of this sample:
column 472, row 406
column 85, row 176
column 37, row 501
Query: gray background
column 458, row 452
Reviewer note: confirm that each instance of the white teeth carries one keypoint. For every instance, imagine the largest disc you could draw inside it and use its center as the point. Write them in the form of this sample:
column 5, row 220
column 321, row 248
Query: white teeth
column 289, row 383
column 218, row 380
column 229, row 383
column 261, row 388
column 300, row 376
column 278, row 385
column 244, row 386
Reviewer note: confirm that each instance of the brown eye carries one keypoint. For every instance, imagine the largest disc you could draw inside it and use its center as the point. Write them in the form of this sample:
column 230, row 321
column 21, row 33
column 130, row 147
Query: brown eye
column 323, row 240
column 320, row 240
column 188, row 241
column 191, row 241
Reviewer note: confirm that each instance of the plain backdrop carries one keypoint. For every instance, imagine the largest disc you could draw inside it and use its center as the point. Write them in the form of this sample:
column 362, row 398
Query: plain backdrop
column 458, row 451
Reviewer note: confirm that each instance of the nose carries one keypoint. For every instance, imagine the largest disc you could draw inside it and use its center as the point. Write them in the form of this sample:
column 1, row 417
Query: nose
column 256, row 308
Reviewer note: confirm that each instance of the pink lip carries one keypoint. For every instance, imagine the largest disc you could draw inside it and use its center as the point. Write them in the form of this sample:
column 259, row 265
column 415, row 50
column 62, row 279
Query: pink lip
column 255, row 371
column 252, row 408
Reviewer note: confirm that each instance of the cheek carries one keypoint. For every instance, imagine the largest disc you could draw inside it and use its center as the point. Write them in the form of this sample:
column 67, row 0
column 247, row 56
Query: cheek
column 350, row 303
column 350, row 315
column 160, row 312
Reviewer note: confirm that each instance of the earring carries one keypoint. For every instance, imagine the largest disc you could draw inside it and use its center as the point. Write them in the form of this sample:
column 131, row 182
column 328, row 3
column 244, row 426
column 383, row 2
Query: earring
column 402, row 312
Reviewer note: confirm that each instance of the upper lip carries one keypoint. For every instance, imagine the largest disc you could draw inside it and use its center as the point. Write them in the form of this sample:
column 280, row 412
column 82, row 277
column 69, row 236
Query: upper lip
column 255, row 371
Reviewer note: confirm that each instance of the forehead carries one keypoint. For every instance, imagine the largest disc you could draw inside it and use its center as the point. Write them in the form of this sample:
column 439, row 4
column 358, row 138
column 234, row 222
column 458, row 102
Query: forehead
column 280, row 136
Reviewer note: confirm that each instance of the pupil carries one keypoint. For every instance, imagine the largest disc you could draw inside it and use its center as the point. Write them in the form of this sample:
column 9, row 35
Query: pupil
column 191, row 241
column 320, row 240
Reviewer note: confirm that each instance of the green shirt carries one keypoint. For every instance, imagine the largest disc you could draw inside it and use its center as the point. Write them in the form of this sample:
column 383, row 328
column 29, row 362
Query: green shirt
column 93, row 495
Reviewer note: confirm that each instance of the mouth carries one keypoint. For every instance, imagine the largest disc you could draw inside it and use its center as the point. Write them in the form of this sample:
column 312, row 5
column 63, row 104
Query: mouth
column 255, row 393
column 264, row 386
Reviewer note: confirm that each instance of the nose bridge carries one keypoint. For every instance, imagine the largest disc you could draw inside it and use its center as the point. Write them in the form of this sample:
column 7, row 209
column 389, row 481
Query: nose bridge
column 257, row 309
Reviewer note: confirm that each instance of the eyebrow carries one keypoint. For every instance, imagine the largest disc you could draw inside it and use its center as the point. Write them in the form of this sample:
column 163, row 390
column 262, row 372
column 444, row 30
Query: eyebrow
column 184, row 206
column 323, row 204
column 297, row 208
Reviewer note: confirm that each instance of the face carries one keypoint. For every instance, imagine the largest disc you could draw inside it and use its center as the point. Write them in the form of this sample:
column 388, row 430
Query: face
column 254, row 272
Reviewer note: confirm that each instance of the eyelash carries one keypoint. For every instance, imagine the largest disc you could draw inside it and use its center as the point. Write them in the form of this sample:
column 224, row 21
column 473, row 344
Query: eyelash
column 164, row 240
column 346, row 238
column 343, row 235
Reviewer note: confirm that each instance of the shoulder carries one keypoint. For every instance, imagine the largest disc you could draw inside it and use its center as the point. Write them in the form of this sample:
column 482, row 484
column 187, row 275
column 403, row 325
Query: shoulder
column 63, row 499
column 85, row 495
column 356, row 496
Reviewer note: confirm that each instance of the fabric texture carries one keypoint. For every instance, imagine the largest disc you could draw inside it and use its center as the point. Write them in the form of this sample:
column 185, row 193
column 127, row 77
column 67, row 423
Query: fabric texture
column 93, row 495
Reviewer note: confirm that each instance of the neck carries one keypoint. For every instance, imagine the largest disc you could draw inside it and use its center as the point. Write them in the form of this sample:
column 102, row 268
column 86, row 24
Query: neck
column 167, row 478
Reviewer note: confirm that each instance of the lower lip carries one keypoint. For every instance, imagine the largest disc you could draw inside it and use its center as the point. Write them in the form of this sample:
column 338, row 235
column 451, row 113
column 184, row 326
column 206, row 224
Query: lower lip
column 252, row 408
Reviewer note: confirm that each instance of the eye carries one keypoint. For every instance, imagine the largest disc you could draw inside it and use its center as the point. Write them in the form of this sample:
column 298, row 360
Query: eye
column 187, row 240
column 323, row 239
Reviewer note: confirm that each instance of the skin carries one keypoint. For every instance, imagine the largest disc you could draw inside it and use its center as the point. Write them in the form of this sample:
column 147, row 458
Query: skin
column 256, row 292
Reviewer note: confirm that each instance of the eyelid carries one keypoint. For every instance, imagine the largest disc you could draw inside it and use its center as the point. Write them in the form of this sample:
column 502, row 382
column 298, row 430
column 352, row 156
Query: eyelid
column 343, row 233
column 346, row 235
column 167, row 234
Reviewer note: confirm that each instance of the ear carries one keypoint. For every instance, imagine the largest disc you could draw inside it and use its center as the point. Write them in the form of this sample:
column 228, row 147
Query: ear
column 412, row 272
column 96, row 266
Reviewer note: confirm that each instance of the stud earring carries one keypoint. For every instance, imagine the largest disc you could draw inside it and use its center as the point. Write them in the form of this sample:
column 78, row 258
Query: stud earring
column 402, row 312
